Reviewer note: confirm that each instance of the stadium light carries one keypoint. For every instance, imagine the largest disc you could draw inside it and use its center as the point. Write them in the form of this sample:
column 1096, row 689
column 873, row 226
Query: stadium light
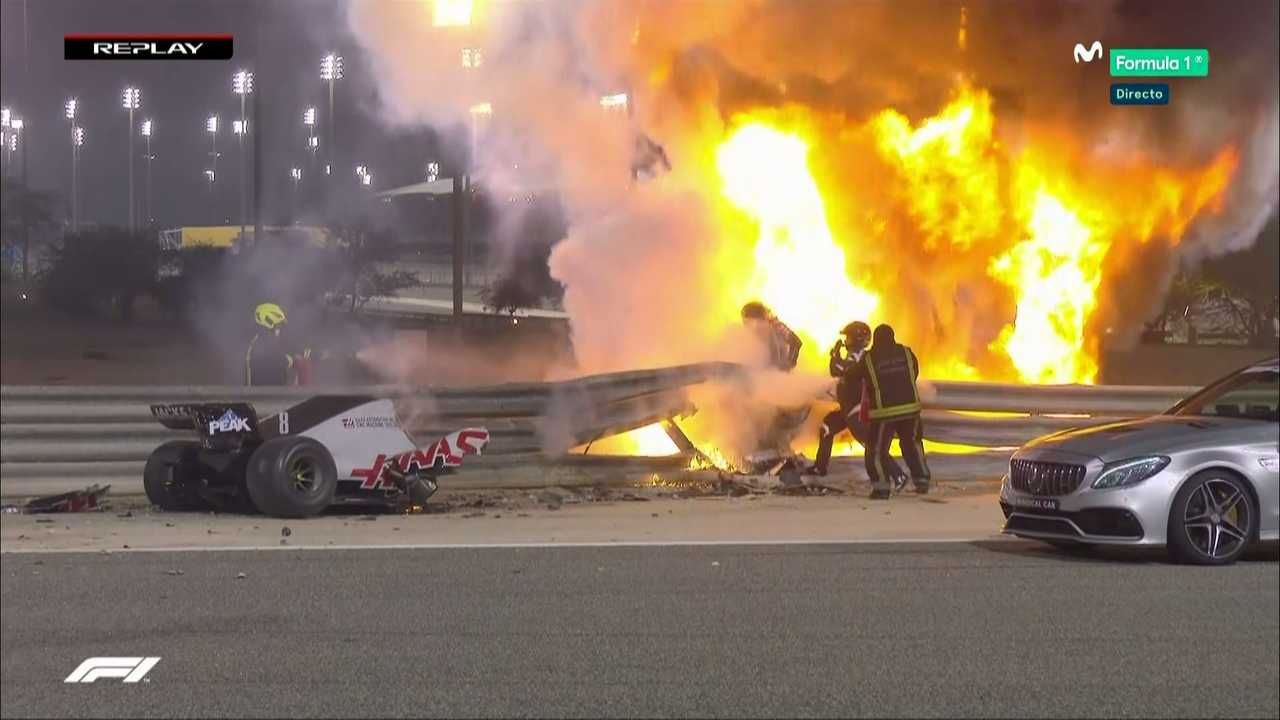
column 331, row 67
column 132, row 100
column 617, row 100
column 242, row 85
column 452, row 13
column 242, row 82
column 148, row 128
column 330, row 72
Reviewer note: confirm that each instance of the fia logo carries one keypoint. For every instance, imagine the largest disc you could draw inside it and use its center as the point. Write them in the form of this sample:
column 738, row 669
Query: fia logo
column 1092, row 53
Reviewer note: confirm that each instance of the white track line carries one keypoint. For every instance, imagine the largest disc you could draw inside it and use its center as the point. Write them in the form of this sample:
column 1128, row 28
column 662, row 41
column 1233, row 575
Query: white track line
column 502, row 546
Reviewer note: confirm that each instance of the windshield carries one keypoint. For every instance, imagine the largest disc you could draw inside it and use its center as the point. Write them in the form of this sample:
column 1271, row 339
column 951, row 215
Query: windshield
column 1254, row 395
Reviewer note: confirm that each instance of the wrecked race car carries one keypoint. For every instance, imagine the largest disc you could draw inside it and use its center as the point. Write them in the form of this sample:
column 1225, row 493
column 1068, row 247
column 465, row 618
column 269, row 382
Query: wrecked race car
column 326, row 450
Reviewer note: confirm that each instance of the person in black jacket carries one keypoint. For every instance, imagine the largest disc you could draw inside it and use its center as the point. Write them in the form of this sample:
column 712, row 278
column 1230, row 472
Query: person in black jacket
column 844, row 358
column 890, row 371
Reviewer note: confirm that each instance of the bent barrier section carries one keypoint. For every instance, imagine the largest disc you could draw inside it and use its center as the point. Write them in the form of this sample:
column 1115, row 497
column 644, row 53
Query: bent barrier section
column 59, row 438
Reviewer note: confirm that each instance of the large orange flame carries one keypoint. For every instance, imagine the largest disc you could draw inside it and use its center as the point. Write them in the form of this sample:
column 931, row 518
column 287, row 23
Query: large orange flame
column 1038, row 227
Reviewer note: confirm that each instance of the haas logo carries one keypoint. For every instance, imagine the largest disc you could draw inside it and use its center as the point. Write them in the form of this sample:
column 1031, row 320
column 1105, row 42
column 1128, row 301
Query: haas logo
column 447, row 451
column 1092, row 53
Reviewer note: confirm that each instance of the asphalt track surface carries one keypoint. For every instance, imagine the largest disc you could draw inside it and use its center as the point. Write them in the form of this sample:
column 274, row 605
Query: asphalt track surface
column 919, row 629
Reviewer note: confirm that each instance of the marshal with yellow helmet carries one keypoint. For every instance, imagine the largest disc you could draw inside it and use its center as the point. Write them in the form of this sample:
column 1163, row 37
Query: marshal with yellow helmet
column 267, row 361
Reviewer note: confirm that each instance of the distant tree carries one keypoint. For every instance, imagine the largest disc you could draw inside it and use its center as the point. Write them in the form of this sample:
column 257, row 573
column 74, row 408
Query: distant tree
column 20, row 204
column 14, row 198
column 526, row 283
column 366, row 265
column 1251, row 283
column 525, row 279
column 191, row 279
column 102, row 271
column 1187, row 295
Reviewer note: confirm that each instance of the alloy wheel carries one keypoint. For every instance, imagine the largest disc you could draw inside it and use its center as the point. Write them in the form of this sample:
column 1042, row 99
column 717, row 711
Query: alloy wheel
column 1216, row 518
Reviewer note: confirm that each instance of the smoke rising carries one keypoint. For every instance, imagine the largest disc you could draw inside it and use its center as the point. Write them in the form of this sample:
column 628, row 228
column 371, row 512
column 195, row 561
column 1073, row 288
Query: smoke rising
column 644, row 264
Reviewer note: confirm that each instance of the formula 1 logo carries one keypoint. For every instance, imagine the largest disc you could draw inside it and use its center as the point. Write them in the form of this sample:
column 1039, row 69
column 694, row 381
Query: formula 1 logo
column 1093, row 53
column 131, row 669
column 229, row 422
column 447, row 451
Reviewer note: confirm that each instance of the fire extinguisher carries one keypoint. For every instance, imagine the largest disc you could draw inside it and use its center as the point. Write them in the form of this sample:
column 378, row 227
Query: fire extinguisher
column 303, row 366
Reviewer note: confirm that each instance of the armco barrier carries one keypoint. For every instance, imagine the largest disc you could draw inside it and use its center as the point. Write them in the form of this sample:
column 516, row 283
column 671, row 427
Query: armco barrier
column 53, row 438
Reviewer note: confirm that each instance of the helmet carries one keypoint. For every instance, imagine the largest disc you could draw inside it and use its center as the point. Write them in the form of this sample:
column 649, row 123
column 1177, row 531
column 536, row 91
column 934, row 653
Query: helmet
column 755, row 311
column 858, row 333
column 884, row 335
column 269, row 316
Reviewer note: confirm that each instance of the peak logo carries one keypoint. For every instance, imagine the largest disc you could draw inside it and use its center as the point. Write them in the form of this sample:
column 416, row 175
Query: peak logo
column 129, row 669
column 147, row 47
column 229, row 422
column 1093, row 52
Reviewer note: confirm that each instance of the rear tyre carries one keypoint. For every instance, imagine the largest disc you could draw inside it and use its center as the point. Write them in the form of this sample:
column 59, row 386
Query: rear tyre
column 170, row 475
column 1212, row 520
column 292, row 477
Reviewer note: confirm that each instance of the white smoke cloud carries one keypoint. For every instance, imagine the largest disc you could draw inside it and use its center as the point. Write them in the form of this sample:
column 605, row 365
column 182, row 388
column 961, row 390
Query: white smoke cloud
column 640, row 262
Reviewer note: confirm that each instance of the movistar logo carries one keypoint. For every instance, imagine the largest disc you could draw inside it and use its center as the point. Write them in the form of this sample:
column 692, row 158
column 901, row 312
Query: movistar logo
column 1092, row 53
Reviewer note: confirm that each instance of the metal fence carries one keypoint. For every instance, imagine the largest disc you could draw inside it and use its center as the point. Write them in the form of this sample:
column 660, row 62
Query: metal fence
column 61, row 437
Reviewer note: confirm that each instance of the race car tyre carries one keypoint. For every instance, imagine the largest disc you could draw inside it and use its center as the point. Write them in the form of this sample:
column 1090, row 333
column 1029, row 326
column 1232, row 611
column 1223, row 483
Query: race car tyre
column 291, row 477
column 167, row 476
column 1212, row 521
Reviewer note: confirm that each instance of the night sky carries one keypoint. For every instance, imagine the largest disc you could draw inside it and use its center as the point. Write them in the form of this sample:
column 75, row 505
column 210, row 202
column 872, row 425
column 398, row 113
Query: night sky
column 281, row 41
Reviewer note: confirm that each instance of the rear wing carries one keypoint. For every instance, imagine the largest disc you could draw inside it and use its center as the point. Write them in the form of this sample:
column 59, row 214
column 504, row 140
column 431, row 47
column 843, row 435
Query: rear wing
column 221, row 426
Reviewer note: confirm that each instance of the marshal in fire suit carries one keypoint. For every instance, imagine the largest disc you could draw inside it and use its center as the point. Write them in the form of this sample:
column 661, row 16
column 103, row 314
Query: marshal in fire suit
column 782, row 343
column 890, row 371
column 844, row 358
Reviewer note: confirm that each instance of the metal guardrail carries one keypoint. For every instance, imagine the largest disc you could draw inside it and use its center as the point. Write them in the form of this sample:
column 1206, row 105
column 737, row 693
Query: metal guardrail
column 61, row 434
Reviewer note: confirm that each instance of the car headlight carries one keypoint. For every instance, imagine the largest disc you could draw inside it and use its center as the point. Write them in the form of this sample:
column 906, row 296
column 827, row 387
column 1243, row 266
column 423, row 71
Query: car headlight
column 1130, row 472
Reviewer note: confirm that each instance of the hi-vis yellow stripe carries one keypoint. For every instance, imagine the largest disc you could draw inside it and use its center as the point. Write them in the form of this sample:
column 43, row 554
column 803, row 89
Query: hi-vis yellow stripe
column 894, row 410
column 875, row 382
